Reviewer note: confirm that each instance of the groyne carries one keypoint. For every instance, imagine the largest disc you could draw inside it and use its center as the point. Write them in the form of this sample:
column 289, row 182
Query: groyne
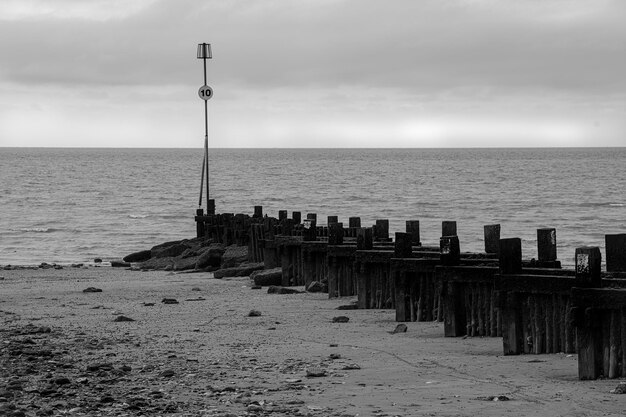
column 534, row 305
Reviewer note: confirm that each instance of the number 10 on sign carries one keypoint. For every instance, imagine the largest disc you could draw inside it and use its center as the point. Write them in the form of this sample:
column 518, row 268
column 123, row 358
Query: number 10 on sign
column 205, row 92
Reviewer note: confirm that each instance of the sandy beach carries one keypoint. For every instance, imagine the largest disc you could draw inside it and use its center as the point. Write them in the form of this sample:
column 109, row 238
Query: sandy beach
column 62, row 352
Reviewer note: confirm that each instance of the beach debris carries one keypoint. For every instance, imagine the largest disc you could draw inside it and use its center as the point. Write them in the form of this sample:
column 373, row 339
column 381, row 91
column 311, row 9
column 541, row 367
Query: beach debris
column 195, row 299
column 315, row 286
column 275, row 289
column 620, row 389
column 341, row 319
column 123, row 318
column 352, row 306
column 400, row 328
column 92, row 289
column 494, row 398
column 169, row 301
column 315, row 372
column 254, row 313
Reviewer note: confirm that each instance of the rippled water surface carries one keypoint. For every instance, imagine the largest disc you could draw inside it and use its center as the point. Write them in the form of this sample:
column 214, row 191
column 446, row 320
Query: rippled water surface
column 71, row 205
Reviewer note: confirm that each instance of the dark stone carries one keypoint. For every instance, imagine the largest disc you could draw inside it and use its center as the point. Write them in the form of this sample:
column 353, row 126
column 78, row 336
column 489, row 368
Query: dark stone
column 140, row 256
column 211, row 257
column 341, row 319
column 348, row 307
column 168, row 373
column 169, row 301
column 92, row 289
column 123, row 318
column 107, row 399
column 242, row 270
column 183, row 264
column 275, row 289
column 61, row 381
column 400, row 328
column 97, row 261
column 170, row 251
column 157, row 263
column 120, row 264
column 234, row 256
column 254, row 313
column 267, row 277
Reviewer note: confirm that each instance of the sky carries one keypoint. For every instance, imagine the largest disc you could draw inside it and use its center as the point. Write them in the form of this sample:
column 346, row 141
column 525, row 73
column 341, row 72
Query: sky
column 322, row 73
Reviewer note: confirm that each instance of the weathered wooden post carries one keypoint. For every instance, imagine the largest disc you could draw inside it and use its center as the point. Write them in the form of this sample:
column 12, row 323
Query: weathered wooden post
column 588, row 267
column 450, row 251
column 210, row 207
column 354, row 222
column 311, row 216
column 282, row 215
column 381, row 230
column 413, row 228
column 448, row 228
column 512, row 326
column 492, row 238
column 615, row 253
column 309, row 230
column 546, row 244
column 199, row 223
column 297, row 217
column 331, row 220
column 510, row 256
column 403, row 245
column 335, row 234
column 258, row 212
column 364, row 239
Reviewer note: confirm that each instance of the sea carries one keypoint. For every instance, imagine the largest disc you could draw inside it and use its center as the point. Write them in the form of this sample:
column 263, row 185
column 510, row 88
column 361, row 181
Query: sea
column 64, row 206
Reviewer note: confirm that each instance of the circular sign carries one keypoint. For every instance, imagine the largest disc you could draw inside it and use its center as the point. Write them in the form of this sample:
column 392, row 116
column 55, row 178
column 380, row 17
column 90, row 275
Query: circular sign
column 205, row 92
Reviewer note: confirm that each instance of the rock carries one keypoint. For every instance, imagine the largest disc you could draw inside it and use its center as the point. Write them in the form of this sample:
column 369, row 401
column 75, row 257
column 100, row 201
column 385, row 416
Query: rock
column 620, row 389
column 400, row 328
column 61, row 381
column 123, row 318
column 92, row 289
column 120, row 264
column 341, row 319
column 97, row 261
column 107, row 399
column 169, row 251
column 334, row 356
column 273, row 289
column 169, row 301
column 140, row 256
column 168, row 373
column 242, row 270
column 196, row 289
column 315, row 372
column 350, row 367
column 353, row 306
column 315, row 286
column 211, row 256
column 256, row 287
column 254, row 313
column 267, row 277
column 157, row 263
column 183, row 264
column 234, row 256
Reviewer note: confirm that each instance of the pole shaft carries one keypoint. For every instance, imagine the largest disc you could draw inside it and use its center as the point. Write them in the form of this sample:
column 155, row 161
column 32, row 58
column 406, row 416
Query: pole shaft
column 206, row 141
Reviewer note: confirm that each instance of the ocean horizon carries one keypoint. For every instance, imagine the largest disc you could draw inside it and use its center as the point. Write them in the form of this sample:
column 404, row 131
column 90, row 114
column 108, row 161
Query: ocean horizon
column 71, row 205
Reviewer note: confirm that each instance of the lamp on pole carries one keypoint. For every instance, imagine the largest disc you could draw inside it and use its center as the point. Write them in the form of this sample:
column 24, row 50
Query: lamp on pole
column 205, row 93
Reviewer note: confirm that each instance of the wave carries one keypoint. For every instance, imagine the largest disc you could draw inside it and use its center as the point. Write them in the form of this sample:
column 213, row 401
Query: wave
column 39, row 230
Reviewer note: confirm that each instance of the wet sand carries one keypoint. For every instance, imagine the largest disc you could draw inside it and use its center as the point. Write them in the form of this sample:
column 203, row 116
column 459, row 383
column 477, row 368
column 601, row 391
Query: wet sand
column 206, row 356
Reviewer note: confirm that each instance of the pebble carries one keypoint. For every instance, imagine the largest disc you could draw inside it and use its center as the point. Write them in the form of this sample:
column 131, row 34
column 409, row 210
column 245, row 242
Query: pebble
column 315, row 372
column 254, row 313
column 123, row 318
column 169, row 301
column 92, row 289
column 168, row 373
column 400, row 328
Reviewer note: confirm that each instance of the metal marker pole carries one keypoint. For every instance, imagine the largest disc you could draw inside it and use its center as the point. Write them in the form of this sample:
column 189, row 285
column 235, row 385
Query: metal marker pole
column 206, row 140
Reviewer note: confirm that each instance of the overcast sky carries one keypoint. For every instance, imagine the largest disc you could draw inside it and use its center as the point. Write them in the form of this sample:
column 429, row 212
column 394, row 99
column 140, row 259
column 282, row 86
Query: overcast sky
column 322, row 73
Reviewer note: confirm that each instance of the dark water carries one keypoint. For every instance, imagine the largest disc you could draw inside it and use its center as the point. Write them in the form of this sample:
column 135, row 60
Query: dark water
column 71, row 205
